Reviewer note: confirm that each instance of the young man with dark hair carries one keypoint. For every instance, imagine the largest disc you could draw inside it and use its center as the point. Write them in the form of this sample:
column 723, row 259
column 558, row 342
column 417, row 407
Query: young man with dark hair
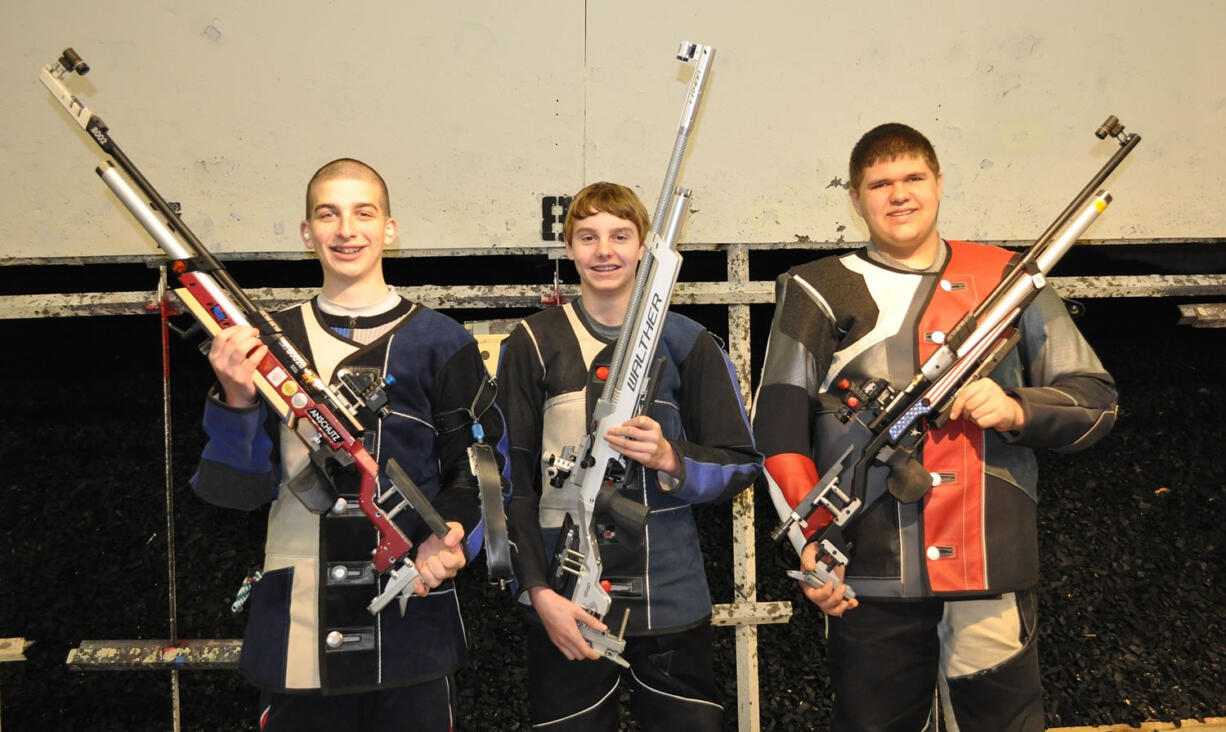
column 320, row 658
column 945, row 586
column 693, row 446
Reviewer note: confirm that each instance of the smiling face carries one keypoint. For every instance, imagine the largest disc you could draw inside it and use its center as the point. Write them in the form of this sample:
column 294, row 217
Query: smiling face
column 348, row 226
column 605, row 249
column 899, row 199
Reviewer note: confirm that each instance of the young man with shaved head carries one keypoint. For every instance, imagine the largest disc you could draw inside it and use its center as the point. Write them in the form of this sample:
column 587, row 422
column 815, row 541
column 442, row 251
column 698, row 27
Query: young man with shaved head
column 322, row 661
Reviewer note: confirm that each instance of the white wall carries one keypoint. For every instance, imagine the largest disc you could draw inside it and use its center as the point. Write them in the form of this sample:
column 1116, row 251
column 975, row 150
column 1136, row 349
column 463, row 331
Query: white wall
column 474, row 110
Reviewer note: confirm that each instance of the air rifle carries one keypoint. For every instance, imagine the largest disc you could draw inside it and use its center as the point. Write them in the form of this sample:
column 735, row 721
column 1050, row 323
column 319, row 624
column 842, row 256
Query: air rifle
column 898, row 420
column 324, row 417
column 594, row 468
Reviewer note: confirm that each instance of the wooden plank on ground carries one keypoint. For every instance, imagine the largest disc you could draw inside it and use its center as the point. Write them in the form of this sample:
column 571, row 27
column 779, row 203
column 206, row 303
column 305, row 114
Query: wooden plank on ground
column 1208, row 724
column 1203, row 315
column 129, row 655
column 13, row 649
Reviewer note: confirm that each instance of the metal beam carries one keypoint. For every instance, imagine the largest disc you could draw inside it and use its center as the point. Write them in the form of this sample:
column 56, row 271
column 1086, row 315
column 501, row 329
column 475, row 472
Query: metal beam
column 57, row 305
column 751, row 613
column 555, row 250
column 744, row 557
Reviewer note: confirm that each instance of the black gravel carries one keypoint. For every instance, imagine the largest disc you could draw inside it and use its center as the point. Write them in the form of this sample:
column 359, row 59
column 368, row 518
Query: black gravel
column 1132, row 602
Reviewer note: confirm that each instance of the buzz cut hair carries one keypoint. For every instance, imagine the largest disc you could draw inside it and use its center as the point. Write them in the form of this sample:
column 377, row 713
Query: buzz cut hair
column 351, row 169
column 886, row 142
column 610, row 198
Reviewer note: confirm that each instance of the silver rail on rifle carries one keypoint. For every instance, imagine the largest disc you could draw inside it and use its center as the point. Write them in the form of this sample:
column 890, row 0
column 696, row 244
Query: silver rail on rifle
column 597, row 468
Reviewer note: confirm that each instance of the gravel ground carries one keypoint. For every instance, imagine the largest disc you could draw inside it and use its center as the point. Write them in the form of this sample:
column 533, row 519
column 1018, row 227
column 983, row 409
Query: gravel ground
column 1132, row 601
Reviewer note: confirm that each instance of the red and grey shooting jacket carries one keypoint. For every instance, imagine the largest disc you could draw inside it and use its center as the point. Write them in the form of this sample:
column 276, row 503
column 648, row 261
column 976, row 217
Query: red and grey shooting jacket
column 856, row 316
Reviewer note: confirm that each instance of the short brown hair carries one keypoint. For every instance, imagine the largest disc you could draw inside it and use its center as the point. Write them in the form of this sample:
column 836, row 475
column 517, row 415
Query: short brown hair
column 348, row 168
column 610, row 198
column 889, row 141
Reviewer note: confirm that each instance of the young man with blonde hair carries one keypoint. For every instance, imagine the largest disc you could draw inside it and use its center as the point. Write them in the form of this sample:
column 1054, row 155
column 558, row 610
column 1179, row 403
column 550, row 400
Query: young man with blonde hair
column 693, row 446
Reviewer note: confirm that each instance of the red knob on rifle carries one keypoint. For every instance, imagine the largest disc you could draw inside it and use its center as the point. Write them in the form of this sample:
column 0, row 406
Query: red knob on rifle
column 852, row 402
column 844, row 384
column 606, row 585
column 602, row 372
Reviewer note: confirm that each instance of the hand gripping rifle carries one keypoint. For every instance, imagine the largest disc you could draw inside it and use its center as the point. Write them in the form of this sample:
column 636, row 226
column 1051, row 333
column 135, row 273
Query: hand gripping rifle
column 595, row 468
column 324, row 417
column 898, row 421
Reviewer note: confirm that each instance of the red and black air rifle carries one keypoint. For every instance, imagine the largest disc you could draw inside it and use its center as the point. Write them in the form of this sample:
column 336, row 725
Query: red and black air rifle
column 325, row 417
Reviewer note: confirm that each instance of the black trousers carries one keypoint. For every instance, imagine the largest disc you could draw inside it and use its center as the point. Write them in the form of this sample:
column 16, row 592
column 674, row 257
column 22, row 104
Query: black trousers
column 672, row 681
column 887, row 660
column 428, row 706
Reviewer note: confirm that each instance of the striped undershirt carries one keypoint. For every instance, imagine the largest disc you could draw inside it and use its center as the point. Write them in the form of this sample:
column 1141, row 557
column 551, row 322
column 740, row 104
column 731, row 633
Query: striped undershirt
column 365, row 324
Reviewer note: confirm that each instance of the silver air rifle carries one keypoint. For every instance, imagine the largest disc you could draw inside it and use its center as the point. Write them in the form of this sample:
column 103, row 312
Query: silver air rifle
column 898, row 420
column 595, row 468
column 324, row 417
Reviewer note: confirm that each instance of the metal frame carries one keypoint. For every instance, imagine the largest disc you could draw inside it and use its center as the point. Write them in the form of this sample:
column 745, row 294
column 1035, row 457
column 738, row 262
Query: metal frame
column 737, row 292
